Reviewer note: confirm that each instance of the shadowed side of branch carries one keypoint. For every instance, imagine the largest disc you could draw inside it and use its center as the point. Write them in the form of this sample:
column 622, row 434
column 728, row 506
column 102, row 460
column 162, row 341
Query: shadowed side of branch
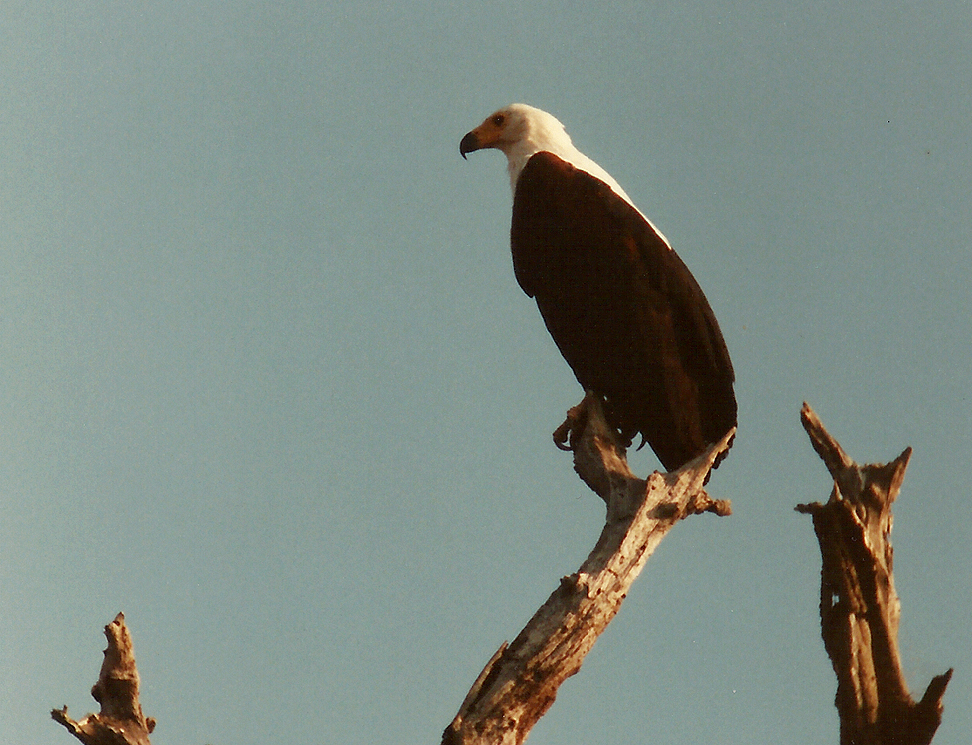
column 859, row 607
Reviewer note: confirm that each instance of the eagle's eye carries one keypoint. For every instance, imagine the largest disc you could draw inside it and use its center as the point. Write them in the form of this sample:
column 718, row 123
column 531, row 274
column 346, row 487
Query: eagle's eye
column 498, row 120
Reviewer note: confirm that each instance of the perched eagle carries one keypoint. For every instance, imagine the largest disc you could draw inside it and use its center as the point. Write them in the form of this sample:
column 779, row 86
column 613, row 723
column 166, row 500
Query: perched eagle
column 626, row 313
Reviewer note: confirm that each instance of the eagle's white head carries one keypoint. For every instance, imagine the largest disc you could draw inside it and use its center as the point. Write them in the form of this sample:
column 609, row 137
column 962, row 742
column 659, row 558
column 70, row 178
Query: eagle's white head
column 521, row 131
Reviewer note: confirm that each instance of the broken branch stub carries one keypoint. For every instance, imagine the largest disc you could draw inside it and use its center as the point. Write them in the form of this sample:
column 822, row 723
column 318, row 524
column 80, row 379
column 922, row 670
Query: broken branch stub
column 120, row 721
column 859, row 607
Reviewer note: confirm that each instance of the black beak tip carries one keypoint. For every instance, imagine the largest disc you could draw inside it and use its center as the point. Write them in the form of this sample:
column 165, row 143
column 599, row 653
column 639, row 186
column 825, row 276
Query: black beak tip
column 468, row 144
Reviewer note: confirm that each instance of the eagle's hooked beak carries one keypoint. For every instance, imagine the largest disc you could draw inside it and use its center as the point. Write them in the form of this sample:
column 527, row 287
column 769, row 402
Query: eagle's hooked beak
column 469, row 144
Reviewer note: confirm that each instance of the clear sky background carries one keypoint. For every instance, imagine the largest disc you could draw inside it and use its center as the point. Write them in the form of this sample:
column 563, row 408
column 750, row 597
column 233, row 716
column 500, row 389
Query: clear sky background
column 269, row 385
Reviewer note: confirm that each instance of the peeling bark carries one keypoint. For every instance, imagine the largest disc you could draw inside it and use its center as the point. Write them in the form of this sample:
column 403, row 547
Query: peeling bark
column 120, row 721
column 859, row 608
column 520, row 682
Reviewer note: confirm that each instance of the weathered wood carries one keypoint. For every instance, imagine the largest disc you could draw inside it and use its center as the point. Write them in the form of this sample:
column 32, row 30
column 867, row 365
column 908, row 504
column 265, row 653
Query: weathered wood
column 859, row 607
column 520, row 682
column 120, row 721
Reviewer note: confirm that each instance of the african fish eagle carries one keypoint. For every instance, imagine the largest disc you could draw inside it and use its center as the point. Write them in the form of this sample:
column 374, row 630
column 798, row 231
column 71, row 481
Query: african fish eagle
column 626, row 313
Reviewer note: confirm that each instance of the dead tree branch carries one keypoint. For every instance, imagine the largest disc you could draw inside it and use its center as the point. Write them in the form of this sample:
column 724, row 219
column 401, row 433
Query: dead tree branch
column 520, row 682
column 120, row 721
column 859, row 608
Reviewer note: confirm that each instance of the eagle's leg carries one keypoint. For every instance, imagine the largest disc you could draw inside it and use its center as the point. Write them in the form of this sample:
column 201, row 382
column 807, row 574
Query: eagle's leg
column 568, row 434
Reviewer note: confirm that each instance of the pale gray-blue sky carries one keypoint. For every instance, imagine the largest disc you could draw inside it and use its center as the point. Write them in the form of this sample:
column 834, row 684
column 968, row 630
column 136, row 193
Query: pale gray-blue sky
column 271, row 389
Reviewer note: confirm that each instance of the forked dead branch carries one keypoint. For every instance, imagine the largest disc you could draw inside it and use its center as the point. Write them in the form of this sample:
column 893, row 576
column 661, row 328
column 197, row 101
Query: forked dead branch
column 859, row 608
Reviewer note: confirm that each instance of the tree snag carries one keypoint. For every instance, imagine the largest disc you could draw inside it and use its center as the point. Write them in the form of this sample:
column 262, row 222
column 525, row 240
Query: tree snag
column 520, row 682
column 120, row 721
column 859, row 608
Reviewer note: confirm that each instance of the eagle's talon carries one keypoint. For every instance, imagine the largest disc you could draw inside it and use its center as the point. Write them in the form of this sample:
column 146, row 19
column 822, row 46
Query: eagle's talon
column 561, row 436
column 569, row 433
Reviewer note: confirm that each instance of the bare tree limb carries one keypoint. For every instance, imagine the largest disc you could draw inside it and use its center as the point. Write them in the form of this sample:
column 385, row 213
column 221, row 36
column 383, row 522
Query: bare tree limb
column 120, row 721
column 520, row 682
column 859, row 608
